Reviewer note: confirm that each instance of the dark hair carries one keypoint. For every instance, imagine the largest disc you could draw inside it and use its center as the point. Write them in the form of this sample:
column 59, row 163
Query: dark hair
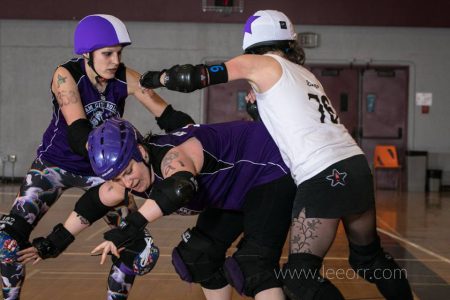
column 291, row 50
column 147, row 138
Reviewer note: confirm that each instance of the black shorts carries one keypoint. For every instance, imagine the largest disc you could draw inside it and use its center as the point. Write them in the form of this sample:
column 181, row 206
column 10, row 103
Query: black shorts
column 265, row 218
column 343, row 189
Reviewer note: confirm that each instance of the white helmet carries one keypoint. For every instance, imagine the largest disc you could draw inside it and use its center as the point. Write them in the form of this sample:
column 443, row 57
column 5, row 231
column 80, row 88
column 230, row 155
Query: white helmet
column 266, row 27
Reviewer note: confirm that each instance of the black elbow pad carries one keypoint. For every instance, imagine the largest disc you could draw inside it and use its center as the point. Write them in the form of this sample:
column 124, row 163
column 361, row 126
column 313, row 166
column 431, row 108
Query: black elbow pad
column 90, row 207
column 186, row 78
column 172, row 119
column 175, row 191
column 77, row 134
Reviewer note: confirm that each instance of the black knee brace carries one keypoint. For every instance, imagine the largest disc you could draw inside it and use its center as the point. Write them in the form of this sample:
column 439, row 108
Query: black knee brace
column 302, row 280
column 252, row 268
column 376, row 266
column 18, row 228
column 197, row 258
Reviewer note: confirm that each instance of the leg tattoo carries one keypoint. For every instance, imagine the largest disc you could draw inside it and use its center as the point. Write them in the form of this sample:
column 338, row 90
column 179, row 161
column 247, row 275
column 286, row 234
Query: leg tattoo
column 303, row 232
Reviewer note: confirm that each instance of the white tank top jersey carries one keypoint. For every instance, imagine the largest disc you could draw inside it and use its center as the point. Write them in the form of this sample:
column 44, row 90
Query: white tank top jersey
column 303, row 123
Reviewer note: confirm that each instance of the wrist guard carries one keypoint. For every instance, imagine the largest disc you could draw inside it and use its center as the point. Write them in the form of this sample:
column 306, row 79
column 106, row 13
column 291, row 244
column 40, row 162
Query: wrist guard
column 150, row 79
column 129, row 229
column 188, row 78
column 55, row 243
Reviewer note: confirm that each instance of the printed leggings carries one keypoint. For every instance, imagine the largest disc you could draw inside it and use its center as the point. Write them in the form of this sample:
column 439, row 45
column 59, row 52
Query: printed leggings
column 41, row 188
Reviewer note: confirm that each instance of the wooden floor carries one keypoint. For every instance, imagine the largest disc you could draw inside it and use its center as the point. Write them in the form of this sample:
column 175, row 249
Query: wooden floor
column 414, row 227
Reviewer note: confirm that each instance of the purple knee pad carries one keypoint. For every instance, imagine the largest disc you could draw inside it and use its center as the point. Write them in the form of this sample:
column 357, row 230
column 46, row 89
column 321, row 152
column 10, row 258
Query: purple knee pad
column 180, row 266
column 234, row 274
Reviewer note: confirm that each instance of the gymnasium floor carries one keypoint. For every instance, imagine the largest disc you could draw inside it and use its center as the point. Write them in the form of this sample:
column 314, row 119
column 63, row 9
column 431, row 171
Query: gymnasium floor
column 414, row 228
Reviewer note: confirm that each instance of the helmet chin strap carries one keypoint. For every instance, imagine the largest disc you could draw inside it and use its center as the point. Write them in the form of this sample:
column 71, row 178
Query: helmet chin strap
column 90, row 61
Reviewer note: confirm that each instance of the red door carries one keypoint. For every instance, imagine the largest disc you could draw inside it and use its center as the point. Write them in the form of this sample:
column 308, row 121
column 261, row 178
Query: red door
column 384, row 114
column 226, row 102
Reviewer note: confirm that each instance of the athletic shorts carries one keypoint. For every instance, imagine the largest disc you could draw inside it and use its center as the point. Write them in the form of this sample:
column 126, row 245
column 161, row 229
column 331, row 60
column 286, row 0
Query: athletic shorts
column 343, row 189
column 264, row 218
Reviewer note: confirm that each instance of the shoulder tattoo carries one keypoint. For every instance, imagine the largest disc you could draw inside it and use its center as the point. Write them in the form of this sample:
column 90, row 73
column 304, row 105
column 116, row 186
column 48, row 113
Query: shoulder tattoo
column 166, row 166
column 61, row 80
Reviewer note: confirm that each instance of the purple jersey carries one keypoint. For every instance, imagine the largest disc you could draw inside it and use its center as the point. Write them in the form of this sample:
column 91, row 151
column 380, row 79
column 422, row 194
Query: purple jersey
column 237, row 157
column 97, row 106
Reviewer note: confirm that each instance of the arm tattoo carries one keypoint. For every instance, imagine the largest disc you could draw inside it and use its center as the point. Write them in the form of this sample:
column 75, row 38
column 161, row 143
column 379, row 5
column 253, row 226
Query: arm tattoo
column 66, row 98
column 61, row 80
column 303, row 231
column 168, row 159
column 83, row 220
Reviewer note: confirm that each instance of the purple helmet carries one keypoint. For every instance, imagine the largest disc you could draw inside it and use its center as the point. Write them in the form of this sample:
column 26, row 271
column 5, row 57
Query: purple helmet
column 98, row 31
column 111, row 147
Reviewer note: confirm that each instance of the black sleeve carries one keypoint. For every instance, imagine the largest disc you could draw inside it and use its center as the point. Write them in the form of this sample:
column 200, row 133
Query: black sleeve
column 172, row 119
column 77, row 135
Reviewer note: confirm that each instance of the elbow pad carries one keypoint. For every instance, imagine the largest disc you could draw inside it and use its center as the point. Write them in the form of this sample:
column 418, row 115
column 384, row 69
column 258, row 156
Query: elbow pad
column 172, row 119
column 90, row 207
column 188, row 78
column 175, row 191
column 77, row 134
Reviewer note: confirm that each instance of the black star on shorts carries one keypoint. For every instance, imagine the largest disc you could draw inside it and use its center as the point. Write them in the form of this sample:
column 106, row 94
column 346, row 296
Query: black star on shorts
column 337, row 178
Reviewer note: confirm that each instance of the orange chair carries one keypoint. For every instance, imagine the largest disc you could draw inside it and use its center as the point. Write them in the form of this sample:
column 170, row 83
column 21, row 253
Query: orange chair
column 385, row 157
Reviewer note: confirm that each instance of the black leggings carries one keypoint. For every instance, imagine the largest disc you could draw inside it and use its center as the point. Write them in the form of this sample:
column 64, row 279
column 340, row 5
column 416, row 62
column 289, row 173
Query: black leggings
column 264, row 220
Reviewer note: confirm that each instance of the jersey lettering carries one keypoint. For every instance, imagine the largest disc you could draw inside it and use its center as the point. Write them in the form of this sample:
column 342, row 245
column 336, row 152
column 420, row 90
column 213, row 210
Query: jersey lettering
column 324, row 106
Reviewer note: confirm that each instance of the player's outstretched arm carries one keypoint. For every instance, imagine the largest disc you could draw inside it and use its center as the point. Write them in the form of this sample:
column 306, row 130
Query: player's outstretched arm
column 88, row 209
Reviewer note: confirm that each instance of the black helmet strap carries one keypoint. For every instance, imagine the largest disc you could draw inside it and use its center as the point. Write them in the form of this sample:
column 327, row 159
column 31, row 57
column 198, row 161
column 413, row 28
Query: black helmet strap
column 90, row 61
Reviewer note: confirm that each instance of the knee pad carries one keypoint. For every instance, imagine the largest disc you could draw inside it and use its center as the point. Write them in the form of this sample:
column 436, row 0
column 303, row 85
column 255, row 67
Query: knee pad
column 17, row 228
column 376, row 266
column 197, row 258
column 139, row 258
column 252, row 268
column 302, row 280
column 9, row 248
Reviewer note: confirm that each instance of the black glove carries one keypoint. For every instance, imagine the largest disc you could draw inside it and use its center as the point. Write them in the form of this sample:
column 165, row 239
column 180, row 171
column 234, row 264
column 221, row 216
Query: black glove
column 131, row 228
column 55, row 243
column 252, row 110
column 150, row 79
